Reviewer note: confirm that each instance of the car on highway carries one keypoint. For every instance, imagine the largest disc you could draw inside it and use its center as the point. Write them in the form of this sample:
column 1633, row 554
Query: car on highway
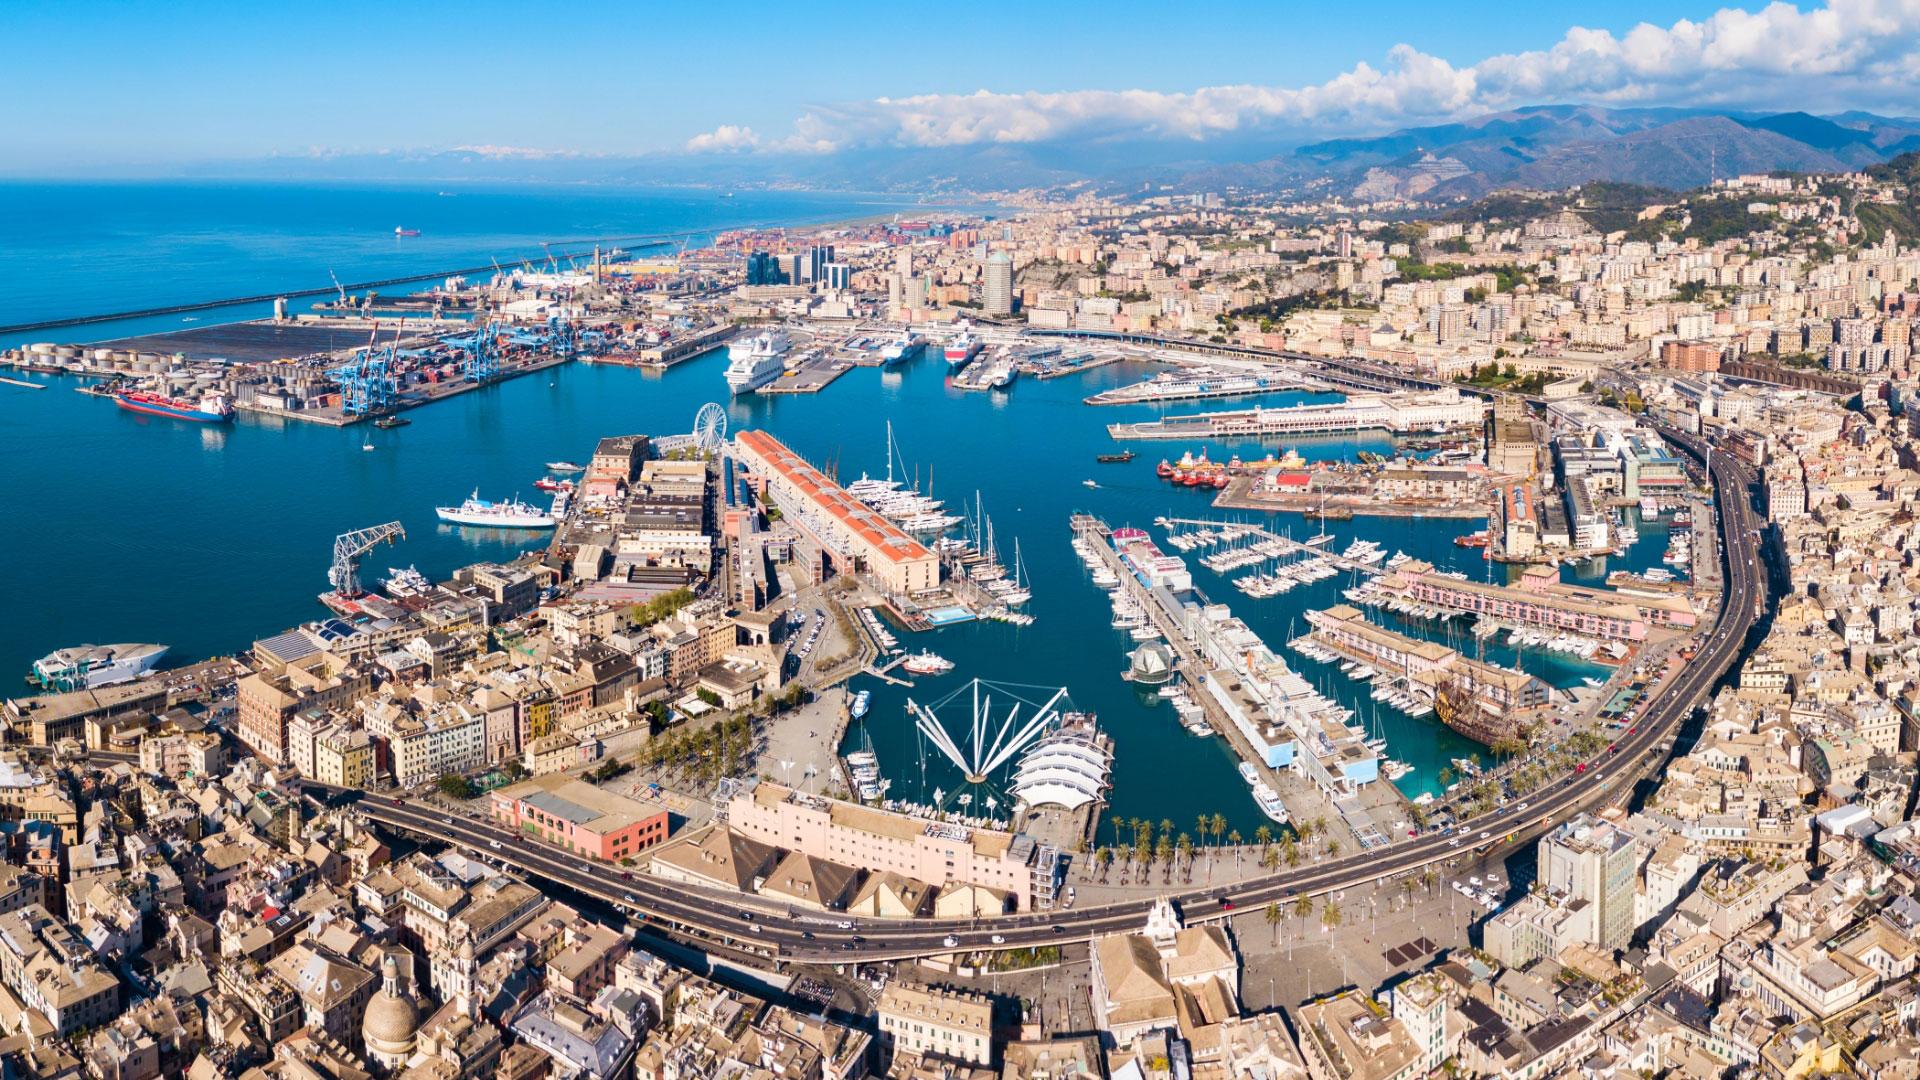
column 949, row 941
column 629, row 898
column 1484, row 833
column 494, row 844
column 999, row 939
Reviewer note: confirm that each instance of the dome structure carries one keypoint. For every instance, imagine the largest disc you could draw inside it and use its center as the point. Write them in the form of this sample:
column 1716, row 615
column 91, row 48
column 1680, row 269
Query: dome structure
column 1152, row 663
column 392, row 1021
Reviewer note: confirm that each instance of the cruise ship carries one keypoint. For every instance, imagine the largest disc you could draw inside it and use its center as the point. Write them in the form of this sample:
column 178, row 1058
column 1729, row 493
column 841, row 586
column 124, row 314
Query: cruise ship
column 755, row 362
column 903, row 345
column 961, row 350
column 84, row 667
column 512, row 514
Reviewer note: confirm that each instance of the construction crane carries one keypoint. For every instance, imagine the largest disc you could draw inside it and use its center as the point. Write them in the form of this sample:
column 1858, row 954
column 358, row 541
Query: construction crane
column 344, row 574
column 337, row 285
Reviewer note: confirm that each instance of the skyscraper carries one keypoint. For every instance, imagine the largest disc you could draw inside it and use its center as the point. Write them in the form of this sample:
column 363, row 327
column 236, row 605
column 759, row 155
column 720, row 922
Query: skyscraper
column 996, row 297
column 1590, row 860
column 814, row 267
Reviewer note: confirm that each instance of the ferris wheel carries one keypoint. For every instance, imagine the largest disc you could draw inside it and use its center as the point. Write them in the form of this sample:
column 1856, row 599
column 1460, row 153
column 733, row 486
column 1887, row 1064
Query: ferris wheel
column 710, row 426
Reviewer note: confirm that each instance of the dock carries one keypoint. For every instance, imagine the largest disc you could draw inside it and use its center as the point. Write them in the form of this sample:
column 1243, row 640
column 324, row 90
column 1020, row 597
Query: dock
column 673, row 352
column 1195, row 385
column 24, row 384
column 1304, row 800
column 811, row 375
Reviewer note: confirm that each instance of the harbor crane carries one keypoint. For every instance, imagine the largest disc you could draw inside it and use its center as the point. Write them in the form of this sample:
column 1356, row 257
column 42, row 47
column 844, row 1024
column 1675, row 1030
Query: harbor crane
column 366, row 384
column 344, row 574
column 337, row 285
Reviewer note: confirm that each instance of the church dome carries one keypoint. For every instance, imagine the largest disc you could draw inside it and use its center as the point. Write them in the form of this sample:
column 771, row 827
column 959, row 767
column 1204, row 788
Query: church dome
column 391, row 1020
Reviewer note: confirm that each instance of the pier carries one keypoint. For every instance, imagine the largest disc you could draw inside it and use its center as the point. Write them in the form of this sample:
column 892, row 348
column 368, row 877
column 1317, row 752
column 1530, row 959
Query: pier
column 1304, row 800
column 1201, row 384
column 669, row 353
column 1285, row 544
column 1426, row 412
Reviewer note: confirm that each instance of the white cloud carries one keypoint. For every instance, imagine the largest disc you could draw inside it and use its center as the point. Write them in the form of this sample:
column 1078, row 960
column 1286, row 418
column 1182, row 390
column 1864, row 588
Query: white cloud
column 1847, row 54
column 726, row 138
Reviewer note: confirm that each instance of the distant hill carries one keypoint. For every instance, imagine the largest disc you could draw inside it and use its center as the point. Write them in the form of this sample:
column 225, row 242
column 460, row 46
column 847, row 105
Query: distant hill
column 1560, row 146
column 1548, row 146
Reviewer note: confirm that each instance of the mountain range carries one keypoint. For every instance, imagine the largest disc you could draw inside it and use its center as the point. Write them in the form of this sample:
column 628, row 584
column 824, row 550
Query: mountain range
column 1542, row 147
column 1551, row 147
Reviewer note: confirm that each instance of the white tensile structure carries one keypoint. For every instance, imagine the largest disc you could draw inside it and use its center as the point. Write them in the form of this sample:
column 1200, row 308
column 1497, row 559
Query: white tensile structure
column 1067, row 769
column 989, row 744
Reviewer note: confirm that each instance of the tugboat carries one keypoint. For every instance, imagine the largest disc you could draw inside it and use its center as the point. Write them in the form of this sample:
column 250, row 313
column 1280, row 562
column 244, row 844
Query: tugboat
column 391, row 421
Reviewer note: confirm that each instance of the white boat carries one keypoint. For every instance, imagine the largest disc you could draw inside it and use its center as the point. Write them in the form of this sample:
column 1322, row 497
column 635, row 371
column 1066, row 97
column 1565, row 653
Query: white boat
column 1090, row 482
column 925, row 662
column 512, row 514
column 408, row 582
column 899, row 347
column 564, row 467
column 858, row 707
column 83, row 667
column 757, row 361
column 1248, row 773
column 1270, row 804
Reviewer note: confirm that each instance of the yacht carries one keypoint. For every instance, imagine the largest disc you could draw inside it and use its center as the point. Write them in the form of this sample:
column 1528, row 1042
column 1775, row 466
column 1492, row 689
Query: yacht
column 757, row 361
column 84, row 667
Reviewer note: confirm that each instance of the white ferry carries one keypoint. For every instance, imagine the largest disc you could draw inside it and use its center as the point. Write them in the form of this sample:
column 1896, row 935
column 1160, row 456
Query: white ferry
column 757, row 361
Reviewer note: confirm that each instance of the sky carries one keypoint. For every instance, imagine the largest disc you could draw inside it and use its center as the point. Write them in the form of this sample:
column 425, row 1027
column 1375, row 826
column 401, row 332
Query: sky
column 100, row 86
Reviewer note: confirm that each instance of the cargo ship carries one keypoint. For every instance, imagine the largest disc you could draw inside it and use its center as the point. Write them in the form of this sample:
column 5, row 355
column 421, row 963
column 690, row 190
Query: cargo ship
column 84, row 667
column 1120, row 458
column 207, row 409
column 512, row 514
column 402, row 230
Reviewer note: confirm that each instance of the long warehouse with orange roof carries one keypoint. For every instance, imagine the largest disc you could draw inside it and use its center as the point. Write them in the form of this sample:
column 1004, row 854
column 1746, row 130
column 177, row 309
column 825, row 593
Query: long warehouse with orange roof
column 843, row 525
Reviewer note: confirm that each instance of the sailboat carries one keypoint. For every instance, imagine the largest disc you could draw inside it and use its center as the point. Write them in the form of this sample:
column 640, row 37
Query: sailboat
column 366, row 442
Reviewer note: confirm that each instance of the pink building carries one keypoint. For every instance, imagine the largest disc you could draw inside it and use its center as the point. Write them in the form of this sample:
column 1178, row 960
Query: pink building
column 558, row 810
column 878, row 840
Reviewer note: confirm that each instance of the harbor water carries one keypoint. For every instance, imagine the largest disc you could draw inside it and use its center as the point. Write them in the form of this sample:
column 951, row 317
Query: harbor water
column 131, row 528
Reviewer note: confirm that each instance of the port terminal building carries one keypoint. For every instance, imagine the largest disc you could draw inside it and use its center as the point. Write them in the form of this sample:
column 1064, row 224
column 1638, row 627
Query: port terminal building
column 854, row 536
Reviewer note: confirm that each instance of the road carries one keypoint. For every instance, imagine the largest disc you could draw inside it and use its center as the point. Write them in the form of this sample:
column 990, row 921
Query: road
column 754, row 924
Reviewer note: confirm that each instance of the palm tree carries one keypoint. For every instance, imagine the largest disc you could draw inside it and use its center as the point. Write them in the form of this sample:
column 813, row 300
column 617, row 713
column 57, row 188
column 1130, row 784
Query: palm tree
column 1330, row 914
column 1219, row 826
column 1303, row 907
column 1166, row 828
column 1185, row 847
column 1273, row 919
column 1445, row 776
column 1428, row 877
column 1333, row 849
column 1290, row 851
column 1270, row 859
column 1103, row 858
column 1165, row 853
column 1200, row 826
column 1125, row 855
column 1264, row 837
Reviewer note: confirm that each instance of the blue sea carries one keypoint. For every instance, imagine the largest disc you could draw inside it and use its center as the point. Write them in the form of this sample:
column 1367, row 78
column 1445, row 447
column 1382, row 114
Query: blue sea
column 93, row 248
column 130, row 528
